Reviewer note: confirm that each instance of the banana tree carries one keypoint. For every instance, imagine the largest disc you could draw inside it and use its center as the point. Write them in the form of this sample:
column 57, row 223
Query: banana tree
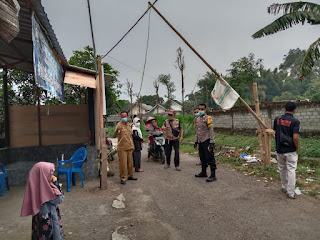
column 292, row 14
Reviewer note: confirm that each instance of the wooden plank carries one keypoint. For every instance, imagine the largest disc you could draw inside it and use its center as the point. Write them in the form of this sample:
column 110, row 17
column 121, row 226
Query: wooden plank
column 97, row 114
column 23, row 126
column 80, row 79
column 64, row 124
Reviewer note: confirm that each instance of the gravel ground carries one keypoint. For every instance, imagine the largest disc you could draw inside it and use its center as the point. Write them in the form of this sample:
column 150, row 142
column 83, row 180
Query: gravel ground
column 167, row 204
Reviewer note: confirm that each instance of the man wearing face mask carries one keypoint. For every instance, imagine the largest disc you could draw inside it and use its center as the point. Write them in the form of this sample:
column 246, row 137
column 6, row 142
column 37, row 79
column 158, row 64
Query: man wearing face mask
column 205, row 139
column 125, row 148
column 172, row 129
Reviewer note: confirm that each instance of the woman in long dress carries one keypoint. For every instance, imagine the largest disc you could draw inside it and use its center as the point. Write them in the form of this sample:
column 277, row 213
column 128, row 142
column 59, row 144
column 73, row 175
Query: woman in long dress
column 137, row 141
column 41, row 199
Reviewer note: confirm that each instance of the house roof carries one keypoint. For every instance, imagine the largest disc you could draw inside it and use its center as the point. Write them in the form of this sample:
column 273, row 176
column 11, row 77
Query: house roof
column 177, row 102
column 18, row 54
column 143, row 105
column 158, row 105
column 146, row 107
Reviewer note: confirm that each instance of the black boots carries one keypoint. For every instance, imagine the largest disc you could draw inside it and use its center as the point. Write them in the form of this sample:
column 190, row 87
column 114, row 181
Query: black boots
column 202, row 174
column 212, row 176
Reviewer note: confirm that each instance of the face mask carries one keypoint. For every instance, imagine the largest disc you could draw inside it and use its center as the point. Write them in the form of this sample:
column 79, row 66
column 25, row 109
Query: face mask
column 201, row 112
column 197, row 114
column 137, row 125
column 171, row 118
column 124, row 119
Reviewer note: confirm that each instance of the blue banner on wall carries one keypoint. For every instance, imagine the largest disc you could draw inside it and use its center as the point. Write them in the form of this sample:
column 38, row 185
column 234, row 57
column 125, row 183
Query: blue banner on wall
column 48, row 71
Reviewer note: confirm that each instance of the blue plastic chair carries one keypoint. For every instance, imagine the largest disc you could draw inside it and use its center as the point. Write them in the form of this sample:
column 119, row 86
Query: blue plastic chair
column 3, row 177
column 76, row 162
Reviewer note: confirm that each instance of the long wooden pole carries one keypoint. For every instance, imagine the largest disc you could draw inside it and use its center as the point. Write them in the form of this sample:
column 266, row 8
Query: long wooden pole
column 6, row 107
column 205, row 62
column 103, row 147
column 256, row 100
column 100, row 91
column 39, row 116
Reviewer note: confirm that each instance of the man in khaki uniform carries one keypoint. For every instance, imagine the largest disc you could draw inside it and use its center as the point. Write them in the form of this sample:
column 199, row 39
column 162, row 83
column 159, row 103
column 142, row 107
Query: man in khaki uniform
column 172, row 130
column 205, row 139
column 125, row 148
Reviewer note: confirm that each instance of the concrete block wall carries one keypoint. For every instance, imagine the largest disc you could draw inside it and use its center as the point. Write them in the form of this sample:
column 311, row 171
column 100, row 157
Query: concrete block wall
column 19, row 161
column 238, row 118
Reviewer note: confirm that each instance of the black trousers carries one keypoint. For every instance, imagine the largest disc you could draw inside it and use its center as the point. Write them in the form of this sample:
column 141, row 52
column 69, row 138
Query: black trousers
column 206, row 157
column 168, row 149
column 136, row 160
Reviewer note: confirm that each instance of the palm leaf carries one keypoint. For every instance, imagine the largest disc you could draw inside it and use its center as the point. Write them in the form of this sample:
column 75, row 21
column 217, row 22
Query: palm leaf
column 293, row 7
column 287, row 21
column 311, row 56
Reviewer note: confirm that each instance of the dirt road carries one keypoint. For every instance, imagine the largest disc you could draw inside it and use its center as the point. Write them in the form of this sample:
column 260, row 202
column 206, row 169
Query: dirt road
column 166, row 204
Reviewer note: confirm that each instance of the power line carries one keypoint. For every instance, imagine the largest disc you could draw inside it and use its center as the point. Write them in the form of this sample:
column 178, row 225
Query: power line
column 130, row 67
column 92, row 36
column 129, row 30
column 146, row 54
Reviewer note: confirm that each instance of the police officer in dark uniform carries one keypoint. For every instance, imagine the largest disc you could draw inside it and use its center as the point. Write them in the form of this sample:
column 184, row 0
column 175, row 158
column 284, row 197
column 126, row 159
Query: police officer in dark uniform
column 205, row 140
column 287, row 130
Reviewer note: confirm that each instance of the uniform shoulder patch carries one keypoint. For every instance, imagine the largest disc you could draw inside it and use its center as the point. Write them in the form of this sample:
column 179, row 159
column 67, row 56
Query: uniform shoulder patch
column 209, row 121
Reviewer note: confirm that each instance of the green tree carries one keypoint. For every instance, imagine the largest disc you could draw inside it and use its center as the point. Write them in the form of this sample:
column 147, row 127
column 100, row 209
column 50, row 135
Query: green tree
column 270, row 84
column 166, row 81
column 295, row 13
column 313, row 92
column 151, row 100
column 77, row 94
column 243, row 73
column 206, row 84
column 24, row 91
column 182, row 66
column 285, row 96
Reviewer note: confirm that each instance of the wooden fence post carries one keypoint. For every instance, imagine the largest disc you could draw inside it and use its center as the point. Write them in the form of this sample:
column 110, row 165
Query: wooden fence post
column 256, row 100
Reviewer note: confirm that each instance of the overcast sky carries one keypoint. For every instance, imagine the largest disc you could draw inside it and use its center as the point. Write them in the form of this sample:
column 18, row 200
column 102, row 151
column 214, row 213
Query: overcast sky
column 220, row 30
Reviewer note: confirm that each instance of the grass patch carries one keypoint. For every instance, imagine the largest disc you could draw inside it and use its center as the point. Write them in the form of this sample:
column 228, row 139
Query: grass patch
column 110, row 131
column 189, row 149
column 308, row 170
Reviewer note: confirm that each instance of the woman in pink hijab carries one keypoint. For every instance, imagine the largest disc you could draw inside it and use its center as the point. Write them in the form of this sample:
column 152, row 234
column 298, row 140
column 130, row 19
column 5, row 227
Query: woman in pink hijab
column 41, row 199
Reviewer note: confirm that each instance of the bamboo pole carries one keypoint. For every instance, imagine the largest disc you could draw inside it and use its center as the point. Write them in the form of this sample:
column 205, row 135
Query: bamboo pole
column 256, row 100
column 205, row 62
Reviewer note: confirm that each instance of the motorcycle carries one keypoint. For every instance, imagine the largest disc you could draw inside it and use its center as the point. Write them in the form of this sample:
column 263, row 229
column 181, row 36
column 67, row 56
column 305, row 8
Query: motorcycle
column 110, row 149
column 156, row 148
